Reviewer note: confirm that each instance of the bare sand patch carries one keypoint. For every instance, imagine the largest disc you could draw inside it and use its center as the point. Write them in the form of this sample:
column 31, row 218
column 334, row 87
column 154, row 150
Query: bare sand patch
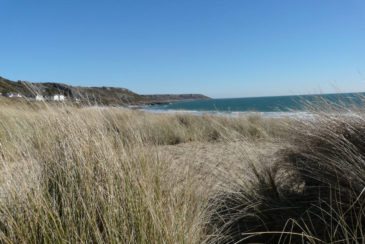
column 219, row 164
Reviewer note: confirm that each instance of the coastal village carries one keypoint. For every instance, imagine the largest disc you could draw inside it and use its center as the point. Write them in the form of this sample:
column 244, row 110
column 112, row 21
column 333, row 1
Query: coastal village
column 36, row 97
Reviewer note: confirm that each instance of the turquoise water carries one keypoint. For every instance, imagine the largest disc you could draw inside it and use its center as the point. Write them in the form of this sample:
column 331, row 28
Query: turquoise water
column 264, row 104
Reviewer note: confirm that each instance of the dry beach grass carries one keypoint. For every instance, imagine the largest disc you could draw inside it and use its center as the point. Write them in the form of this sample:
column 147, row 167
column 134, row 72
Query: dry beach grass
column 110, row 175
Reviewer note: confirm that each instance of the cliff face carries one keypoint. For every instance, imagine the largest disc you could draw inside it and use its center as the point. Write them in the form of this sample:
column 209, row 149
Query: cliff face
column 101, row 95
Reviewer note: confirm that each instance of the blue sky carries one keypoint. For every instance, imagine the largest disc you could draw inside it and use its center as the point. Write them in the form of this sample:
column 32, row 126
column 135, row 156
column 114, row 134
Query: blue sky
column 222, row 48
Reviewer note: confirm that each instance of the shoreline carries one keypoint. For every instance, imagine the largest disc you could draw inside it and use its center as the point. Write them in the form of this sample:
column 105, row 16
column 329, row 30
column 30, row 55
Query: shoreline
column 280, row 114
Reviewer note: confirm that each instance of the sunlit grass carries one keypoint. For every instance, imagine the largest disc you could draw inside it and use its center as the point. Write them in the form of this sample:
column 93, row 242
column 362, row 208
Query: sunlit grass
column 94, row 174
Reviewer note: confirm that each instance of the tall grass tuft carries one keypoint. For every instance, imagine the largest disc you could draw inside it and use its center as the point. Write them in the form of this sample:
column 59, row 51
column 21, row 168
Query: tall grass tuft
column 312, row 193
column 75, row 176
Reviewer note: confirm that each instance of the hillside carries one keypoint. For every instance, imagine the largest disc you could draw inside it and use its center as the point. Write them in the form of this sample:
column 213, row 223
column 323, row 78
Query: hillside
column 101, row 95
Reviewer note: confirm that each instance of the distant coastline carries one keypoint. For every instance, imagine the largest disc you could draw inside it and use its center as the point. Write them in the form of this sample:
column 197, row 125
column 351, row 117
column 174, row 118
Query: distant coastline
column 109, row 96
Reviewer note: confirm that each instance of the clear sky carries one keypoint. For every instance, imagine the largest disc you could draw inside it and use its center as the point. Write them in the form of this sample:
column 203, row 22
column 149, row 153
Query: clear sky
column 222, row 48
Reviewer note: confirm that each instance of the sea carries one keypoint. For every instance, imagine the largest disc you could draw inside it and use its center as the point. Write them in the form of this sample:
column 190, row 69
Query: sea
column 275, row 106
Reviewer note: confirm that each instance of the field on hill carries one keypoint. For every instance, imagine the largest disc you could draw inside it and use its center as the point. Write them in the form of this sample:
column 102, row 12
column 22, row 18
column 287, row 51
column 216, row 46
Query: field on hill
column 111, row 175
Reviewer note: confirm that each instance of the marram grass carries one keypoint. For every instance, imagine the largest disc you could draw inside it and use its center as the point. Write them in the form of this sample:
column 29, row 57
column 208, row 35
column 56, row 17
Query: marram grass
column 94, row 175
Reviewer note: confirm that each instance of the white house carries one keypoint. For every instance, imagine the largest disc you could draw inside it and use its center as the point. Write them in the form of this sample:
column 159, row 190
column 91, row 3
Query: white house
column 12, row 95
column 58, row 97
column 39, row 97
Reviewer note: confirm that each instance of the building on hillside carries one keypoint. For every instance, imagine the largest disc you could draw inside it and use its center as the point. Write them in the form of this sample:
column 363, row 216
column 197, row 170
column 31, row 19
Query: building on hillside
column 14, row 95
column 39, row 97
column 58, row 97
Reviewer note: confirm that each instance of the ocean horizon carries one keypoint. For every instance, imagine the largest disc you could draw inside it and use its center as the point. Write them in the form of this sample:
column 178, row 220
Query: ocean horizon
column 270, row 105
